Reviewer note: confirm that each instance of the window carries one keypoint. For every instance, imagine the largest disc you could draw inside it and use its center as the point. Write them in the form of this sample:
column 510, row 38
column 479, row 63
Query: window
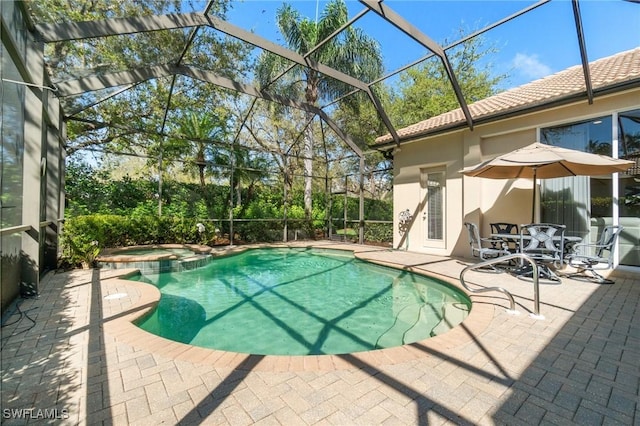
column 629, row 187
column 433, row 185
column 575, row 201
column 11, row 146
column 587, row 203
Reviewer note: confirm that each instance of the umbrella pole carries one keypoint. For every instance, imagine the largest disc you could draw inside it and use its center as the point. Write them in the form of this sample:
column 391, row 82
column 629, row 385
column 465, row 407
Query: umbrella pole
column 533, row 207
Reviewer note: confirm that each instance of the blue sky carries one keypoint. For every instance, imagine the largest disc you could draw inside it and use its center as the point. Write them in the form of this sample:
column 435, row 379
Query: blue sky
column 540, row 43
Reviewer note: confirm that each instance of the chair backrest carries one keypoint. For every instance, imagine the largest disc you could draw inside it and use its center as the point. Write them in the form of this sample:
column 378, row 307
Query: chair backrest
column 607, row 240
column 474, row 237
column 504, row 228
column 543, row 240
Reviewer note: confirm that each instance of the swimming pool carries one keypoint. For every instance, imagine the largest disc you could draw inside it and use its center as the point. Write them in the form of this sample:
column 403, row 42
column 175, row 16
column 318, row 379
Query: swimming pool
column 301, row 301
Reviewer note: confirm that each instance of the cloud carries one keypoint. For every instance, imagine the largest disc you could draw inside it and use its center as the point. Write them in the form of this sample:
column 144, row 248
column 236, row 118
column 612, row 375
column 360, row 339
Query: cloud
column 530, row 66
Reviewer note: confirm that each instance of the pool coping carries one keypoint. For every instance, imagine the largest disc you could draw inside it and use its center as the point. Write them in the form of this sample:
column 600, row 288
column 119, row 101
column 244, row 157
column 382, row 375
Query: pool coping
column 109, row 254
column 143, row 298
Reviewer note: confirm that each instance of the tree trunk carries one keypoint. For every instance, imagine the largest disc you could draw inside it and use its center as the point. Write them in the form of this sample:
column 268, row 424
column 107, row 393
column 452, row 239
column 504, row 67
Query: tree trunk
column 201, row 167
column 311, row 95
column 308, row 171
column 372, row 185
column 201, row 163
column 238, row 193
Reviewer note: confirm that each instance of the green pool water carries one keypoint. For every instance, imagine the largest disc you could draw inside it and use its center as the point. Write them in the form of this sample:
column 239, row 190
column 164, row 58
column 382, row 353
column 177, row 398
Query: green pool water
column 301, row 302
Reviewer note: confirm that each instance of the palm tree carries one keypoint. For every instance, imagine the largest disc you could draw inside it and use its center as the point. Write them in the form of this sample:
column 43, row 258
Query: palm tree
column 247, row 167
column 200, row 129
column 351, row 51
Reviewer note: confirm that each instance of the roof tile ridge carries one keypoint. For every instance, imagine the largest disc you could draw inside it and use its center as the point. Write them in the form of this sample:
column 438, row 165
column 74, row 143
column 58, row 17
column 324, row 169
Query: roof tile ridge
column 514, row 96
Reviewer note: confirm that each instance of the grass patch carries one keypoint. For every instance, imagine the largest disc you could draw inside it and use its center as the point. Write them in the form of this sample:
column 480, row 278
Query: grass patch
column 349, row 232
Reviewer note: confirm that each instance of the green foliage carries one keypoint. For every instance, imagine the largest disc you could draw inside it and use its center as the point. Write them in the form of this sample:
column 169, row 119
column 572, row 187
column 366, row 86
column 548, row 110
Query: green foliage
column 129, row 121
column 349, row 50
column 84, row 236
column 373, row 209
column 259, row 232
column 84, row 187
column 261, row 209
column 426, row 91
column 378, row 232
column 195, row 131
column 349, row 232
column 296, row 212
column 124, row 212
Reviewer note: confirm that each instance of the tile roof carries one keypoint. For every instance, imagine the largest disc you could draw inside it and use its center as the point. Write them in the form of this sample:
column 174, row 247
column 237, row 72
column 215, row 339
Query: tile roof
column 623, row 67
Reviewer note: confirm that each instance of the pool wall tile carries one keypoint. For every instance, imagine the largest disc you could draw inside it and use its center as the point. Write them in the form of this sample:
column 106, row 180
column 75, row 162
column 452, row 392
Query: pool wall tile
column 157, row 266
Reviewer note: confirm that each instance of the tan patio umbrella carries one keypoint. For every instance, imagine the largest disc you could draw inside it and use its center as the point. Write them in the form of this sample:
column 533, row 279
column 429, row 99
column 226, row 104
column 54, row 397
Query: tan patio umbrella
column 542, row 161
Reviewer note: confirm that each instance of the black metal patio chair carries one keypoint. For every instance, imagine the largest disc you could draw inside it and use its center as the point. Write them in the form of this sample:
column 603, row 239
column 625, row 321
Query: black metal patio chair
column 507, row 228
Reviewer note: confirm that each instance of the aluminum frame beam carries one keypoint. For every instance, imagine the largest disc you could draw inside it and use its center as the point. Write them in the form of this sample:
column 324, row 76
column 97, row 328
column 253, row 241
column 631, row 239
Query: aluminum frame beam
column 274, row 48
column 72, row 87
column 323, row 42
column 50, row 33
column 383, row 116
column 99, row 101
column 340, row 133
column 118, row 26
column 583, row 50
column 403, row 25
column 215, row 79
column 464, row 39
column 98, row 82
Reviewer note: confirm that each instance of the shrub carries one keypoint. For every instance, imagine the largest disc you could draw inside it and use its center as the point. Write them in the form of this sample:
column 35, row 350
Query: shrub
column 85, row 236
column 103, row 212
column 378, row 232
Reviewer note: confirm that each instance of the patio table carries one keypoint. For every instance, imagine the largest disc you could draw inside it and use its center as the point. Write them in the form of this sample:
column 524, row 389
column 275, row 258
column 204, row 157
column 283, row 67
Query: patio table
column 569, row 241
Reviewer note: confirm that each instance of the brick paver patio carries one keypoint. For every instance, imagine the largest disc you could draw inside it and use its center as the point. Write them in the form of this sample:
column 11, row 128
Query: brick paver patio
column 72, row 356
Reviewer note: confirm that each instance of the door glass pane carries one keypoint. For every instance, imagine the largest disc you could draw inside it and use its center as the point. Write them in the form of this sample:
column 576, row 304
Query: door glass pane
column 11, row 174
column 589, row 136
column 582, row 203
column 435, row 206
column 629, row 187
column 11, row 144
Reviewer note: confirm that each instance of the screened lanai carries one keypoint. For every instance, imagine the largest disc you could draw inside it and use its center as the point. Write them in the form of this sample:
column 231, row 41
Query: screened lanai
column 198, row 41
column 129, row 79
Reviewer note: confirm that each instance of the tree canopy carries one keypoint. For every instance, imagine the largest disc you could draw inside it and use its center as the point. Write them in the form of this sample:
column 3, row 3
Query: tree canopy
column 195, row 130
column 424, row 91
column 351, row 52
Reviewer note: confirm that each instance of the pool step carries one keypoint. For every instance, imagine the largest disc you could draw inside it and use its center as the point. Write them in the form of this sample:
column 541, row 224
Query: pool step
column 452, row 313
column 406, row 319
column 411, row 322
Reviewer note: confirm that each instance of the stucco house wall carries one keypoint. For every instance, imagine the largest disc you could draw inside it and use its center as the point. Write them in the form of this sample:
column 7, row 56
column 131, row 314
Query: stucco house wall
column 476, row 199
column 409, row 161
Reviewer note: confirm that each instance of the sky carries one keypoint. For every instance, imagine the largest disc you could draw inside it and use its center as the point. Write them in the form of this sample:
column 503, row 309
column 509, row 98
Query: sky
column 540, row 43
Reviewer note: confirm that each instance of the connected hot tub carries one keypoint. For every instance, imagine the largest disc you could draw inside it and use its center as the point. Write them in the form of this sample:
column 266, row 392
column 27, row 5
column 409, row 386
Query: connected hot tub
column 156, row 258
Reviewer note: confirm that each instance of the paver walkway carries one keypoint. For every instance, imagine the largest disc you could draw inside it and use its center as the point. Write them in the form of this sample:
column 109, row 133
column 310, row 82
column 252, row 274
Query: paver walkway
column 71, row 356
